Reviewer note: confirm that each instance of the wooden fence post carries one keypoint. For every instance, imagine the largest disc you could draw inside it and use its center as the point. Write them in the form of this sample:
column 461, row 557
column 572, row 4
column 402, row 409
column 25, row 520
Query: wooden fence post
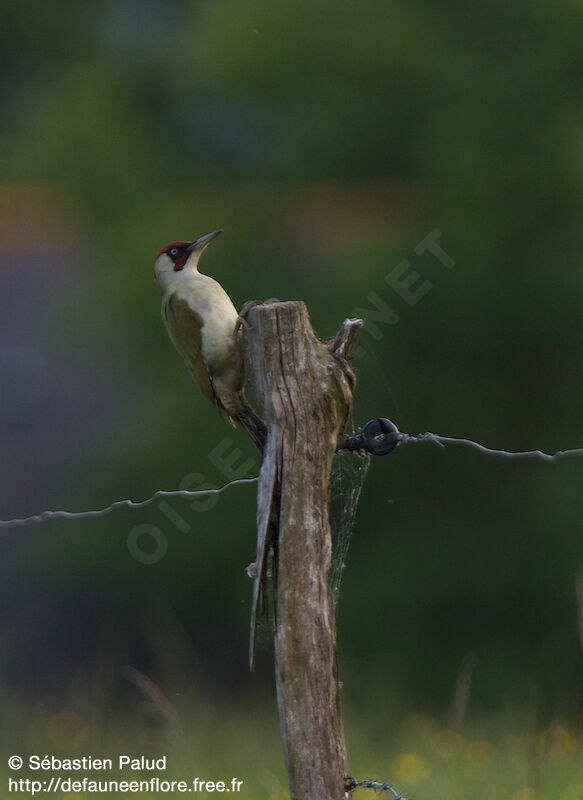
column 304, row 389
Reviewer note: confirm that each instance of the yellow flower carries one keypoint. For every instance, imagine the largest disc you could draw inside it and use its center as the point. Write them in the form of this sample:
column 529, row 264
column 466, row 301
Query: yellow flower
column 67, row 728
column 410, row 768
column 528, row 793
column 446, row 743
column 481, row 753
column 560, row 743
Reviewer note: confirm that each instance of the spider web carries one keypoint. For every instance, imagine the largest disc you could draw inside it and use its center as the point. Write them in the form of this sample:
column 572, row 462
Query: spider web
column 346, row 481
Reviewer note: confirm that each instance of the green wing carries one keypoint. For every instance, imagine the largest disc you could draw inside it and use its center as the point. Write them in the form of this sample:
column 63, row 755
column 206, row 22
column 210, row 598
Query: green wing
column 184, row 327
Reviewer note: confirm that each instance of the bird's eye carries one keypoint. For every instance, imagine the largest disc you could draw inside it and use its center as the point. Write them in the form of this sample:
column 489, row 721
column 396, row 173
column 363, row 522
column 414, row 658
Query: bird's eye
column 174, row 251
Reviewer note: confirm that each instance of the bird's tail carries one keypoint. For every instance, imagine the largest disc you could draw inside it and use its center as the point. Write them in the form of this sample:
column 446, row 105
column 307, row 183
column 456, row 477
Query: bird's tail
column 241, row 412
column 253, row 424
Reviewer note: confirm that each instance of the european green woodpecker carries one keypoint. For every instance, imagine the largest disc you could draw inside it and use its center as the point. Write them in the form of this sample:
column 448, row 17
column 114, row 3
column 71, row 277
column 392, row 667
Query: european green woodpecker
column 202, row 323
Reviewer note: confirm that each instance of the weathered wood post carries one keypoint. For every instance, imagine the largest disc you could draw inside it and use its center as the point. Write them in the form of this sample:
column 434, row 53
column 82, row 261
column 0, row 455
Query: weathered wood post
column 304, row 389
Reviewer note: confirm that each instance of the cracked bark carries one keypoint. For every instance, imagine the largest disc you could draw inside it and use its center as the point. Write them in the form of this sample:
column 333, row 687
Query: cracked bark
column 304, row 388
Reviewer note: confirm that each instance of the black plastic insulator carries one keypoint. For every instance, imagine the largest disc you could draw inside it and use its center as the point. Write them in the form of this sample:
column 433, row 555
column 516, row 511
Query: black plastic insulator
column 378, row 437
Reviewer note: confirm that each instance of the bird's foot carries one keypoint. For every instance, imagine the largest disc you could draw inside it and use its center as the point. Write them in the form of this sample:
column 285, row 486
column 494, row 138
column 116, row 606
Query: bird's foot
column 241, row 321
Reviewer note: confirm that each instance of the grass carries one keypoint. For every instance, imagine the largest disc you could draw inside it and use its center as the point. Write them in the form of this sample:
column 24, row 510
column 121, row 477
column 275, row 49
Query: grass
column 490, row 758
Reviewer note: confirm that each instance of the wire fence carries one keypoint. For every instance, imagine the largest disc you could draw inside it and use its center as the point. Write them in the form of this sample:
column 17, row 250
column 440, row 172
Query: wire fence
column 101, row 512
column 404, row 439
column 442, row 441
column 351, row 784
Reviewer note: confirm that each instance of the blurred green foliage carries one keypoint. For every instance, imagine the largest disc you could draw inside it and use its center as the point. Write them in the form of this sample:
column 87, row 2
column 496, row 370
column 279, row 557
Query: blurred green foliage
column 328, row 140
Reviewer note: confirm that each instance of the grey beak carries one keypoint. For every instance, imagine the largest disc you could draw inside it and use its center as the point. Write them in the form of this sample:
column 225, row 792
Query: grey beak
column 200, row 244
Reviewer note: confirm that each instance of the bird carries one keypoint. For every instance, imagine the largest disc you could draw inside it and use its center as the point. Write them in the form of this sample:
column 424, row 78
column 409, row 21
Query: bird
column 204, row 327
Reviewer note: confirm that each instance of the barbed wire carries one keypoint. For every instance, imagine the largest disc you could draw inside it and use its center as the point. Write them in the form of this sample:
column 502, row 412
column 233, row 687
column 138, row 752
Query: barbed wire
column 403, row 439
column 350, row 784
